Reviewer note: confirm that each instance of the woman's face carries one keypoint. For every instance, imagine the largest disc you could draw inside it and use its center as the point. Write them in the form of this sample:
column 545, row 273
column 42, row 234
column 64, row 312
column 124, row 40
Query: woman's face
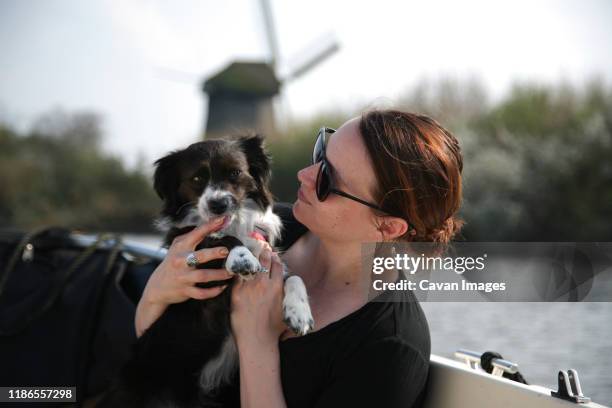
column 339, row 218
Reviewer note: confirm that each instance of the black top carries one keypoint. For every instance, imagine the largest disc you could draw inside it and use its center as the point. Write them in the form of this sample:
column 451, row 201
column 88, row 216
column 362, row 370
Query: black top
column 377, row 356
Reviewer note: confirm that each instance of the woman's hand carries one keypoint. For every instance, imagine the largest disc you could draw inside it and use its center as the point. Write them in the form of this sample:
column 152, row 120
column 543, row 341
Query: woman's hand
column 257, row 324
column 256, row 315
column 174, row 282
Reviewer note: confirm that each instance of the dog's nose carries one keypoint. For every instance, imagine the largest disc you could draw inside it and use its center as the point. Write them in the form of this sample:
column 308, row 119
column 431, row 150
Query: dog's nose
column 218, row 206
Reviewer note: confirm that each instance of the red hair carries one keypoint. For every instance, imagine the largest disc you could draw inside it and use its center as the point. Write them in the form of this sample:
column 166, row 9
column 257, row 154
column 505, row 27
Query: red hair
column 418, row 166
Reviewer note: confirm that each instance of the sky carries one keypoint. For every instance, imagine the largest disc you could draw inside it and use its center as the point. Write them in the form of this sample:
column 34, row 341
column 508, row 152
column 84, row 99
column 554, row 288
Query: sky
column 140, row 64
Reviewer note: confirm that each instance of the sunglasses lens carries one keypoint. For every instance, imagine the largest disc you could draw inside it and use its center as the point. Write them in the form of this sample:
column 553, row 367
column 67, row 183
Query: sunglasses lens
column 317, row 152
column 323, row 182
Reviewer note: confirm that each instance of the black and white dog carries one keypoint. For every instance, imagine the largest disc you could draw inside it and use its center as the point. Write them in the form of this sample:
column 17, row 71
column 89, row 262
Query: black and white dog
column 188, row 357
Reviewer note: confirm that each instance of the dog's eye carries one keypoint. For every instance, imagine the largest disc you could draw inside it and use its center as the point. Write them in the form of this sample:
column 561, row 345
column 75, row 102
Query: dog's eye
column 197, row 179
column 235, row 173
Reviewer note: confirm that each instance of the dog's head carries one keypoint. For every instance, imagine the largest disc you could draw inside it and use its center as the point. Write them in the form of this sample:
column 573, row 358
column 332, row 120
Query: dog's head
column 211, row 179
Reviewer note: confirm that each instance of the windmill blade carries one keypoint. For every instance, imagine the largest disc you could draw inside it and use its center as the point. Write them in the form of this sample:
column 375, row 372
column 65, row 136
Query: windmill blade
column 311, row 62
column 270, row 32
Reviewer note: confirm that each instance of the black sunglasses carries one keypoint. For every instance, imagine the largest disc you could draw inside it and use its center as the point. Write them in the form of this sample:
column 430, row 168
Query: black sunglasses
column 325, row 181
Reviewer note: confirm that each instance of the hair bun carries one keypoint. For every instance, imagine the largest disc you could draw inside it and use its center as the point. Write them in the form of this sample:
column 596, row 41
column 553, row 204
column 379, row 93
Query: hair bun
column 445, row 233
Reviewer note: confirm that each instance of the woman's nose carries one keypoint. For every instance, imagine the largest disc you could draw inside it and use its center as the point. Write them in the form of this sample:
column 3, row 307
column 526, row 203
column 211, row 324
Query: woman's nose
column 308, row 175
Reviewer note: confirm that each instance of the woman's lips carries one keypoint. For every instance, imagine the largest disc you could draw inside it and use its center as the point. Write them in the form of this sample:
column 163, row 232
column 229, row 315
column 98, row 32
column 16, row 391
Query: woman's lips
column 302, row 197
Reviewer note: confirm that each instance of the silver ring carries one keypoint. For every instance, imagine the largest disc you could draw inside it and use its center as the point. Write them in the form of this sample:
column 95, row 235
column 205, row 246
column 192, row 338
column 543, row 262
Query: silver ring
column 191, row 260
column 263, row 269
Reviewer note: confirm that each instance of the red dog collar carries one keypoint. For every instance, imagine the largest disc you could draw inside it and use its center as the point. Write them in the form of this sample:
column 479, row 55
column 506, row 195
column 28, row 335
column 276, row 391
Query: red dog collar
column 259, row 234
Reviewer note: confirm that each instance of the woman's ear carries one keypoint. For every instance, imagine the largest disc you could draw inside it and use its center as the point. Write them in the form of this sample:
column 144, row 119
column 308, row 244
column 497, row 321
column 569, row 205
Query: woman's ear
column 392, row 227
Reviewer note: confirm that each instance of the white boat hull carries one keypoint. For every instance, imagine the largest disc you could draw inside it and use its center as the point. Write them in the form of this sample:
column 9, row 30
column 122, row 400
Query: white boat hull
column 453, row 384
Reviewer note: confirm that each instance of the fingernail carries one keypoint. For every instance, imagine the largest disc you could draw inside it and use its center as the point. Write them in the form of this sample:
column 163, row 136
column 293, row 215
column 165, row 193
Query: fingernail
column 223, row 251
column 219, row 220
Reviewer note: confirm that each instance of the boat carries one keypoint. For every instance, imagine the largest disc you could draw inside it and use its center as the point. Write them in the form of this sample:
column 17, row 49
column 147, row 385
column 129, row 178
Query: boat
column 463, row 383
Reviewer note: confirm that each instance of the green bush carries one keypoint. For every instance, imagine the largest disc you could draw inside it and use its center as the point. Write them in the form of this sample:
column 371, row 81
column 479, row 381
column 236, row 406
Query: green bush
column 58, row 175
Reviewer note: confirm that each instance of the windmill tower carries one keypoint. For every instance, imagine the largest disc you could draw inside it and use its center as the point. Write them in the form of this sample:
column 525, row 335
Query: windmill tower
column 241, row 95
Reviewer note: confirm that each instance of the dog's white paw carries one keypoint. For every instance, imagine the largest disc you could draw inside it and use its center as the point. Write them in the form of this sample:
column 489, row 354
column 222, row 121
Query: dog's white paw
column 242, row 262
column 296, row 310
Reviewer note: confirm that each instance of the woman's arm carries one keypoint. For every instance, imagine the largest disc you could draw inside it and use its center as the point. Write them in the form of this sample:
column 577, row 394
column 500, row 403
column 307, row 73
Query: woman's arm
column 174, row 282
column 260, row 380
column 257, row 325
column 147, row 313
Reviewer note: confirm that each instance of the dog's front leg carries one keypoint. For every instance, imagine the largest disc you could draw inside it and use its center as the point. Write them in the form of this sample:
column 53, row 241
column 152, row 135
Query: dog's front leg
column 296, row 309
column 244, row 259
column 241, row 261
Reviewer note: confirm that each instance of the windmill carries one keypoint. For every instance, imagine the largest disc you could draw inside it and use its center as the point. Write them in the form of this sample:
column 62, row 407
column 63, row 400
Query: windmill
column 241, row 95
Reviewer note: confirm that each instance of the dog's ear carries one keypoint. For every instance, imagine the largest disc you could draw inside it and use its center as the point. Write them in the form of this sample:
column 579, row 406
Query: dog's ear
column 259, row 161
column 259, row 166
column 166, row 177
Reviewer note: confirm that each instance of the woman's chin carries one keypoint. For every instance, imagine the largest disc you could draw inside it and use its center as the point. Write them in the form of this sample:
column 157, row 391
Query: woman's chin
column 298, row 206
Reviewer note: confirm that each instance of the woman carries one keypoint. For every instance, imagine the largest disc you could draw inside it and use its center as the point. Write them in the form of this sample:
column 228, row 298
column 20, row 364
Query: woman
column 385, row 176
